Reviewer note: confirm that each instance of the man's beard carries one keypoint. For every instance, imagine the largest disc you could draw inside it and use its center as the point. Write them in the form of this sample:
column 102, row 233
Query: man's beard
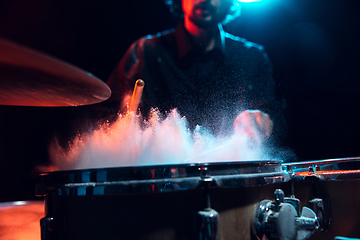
column 205, row 23
column 202, row 21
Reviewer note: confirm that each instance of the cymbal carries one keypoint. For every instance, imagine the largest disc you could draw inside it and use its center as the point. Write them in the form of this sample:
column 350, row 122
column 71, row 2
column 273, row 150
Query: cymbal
column 31, row 78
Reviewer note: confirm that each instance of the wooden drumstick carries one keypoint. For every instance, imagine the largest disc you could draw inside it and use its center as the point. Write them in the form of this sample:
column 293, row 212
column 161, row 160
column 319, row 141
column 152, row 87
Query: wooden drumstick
column 136, row 96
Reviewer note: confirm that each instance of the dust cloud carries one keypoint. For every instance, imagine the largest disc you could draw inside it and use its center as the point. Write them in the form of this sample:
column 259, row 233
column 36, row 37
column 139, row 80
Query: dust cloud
column 132, row 141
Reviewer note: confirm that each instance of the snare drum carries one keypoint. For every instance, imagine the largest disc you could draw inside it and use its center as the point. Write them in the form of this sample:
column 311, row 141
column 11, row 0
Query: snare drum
column 156, row 202
column 336, row 181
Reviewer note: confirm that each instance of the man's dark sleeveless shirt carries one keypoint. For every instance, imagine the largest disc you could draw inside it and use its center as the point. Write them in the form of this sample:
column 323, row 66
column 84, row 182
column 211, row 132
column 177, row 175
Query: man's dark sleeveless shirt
column 210, row 89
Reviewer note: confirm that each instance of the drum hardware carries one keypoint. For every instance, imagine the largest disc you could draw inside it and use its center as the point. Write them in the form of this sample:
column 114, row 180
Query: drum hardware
column 292, row 199
column 280, row 219
column 50, row 226
column 320, row 204
column 46, row 226
column 208, row 218
column 208, row 221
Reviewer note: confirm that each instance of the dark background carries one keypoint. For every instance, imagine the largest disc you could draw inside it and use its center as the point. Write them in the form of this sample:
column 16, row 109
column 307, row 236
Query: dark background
column 313, row 46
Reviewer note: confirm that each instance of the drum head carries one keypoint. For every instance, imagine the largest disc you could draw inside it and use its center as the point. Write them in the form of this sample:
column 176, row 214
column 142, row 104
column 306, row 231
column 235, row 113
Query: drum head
column 160, row 178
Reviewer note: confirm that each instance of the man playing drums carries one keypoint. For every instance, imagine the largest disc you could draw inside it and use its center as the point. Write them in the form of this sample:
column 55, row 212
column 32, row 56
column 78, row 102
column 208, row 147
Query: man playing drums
column 216, row 80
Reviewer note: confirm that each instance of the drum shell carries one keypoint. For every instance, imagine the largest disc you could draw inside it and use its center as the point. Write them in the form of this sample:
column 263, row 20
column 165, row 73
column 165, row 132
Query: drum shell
column 163, row 215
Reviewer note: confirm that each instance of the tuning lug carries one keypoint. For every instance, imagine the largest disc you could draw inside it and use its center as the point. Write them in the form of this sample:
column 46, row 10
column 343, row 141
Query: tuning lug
column 280, row 219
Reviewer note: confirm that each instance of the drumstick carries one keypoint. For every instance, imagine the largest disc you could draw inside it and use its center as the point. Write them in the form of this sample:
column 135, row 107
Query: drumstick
column 135, row 99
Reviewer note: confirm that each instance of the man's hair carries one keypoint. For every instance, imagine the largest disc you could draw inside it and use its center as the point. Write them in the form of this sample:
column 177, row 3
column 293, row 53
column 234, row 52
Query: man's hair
column 176, row 10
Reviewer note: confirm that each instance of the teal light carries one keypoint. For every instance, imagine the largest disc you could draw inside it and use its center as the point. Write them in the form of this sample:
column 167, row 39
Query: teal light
column 248, row 1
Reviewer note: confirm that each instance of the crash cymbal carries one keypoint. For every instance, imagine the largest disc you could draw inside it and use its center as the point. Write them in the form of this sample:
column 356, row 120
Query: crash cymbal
column 31, row 78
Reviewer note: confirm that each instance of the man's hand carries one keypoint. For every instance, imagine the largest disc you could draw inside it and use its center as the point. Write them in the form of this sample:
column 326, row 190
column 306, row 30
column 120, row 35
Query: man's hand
column 254, row 123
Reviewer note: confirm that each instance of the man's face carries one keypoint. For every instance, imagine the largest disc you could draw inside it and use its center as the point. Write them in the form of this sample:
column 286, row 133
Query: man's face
column 205, row 13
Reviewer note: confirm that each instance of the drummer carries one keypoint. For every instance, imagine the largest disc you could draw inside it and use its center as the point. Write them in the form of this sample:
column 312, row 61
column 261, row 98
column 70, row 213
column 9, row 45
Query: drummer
column 216, row 80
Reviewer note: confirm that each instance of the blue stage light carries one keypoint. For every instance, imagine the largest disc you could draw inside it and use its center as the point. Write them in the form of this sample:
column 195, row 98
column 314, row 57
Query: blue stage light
column 248, row 1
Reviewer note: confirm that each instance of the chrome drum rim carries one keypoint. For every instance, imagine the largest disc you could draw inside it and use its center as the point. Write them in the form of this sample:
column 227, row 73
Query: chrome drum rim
column 161, row 178
column 338, row 169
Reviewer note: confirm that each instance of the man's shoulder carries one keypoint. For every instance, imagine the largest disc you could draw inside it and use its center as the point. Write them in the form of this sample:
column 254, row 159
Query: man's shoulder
column 232, row 39
column 153, row 40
